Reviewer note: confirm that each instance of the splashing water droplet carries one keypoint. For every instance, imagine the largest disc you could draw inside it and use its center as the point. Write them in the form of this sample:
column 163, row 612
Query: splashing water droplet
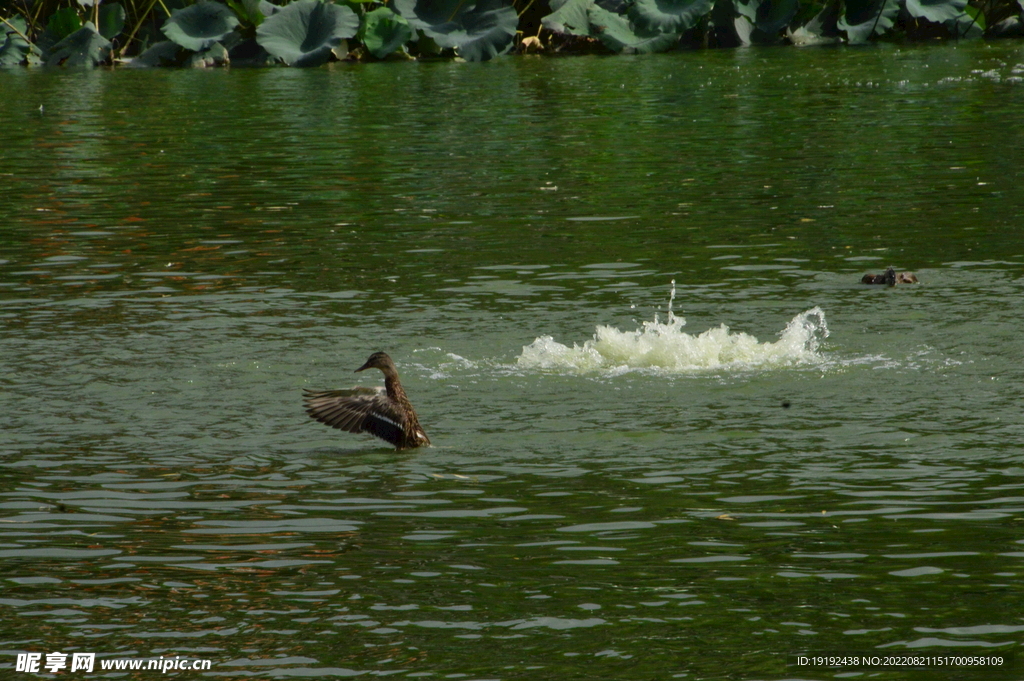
column 665, row 347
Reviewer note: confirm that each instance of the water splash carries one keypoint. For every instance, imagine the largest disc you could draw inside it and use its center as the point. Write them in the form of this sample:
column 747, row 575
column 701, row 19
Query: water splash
column 666, row 347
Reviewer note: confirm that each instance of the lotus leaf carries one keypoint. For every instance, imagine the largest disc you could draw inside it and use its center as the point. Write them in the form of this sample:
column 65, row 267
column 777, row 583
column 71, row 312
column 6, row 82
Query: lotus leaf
column 971, row 24
column 303, row 33
column 747, row 8
column 569, row 16
column 241, row 11
column 267, row 8
column 84, row 47
column 774, row 15
column 163, row 53
column 759, row 21
column 939, row 11
column 723, row 20
column 620, row 35
column 15, row 49
column 864, row 18
column 383, row 32
column 478, row 31
column 63, row 23
column 617, row 6
column 668, row 16
column 15, row 25
column 111, row 20
column 745, row 30
column 199, row 26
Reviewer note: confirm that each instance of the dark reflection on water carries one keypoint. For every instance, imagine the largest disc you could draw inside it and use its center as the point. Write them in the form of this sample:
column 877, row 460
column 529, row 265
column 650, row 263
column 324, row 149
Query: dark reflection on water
column 182, row 253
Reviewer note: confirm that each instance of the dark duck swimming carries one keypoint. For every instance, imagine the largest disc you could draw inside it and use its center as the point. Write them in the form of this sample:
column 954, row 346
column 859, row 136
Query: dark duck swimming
column 385, row 412
column 890, row 278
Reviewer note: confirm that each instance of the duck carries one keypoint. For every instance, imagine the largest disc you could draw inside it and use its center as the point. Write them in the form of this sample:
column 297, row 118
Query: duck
column 890, row 278
column 384, row 412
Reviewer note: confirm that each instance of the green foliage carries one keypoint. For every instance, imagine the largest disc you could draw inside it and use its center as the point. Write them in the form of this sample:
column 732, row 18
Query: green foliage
column 864, row 18
column 164, row 53
column 569, row 16
column 938, row 11
column 267, row 8
column 971, row 24
column 772, row 16
column 477, row 32
column 645, row 25
column 63, row 23
column 384, row 32
column 753, row 21
column 247, row 11
column 112, row 16
column 619, row 34
column 199, row 26
column 655, row 25
column 84, row 47
column 305, row 32
column 668, row 16
column 14, row 48
column 204, row 33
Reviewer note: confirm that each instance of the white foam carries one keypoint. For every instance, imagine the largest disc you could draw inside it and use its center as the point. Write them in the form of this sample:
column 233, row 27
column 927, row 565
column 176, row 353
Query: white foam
column 666, row 347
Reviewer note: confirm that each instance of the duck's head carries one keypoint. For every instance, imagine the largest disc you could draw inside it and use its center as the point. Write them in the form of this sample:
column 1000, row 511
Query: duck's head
column 906, row 278
column 378, row 360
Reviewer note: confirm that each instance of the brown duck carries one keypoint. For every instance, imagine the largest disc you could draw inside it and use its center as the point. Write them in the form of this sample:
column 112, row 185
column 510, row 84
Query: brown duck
column 889, row 278
column 384, row 412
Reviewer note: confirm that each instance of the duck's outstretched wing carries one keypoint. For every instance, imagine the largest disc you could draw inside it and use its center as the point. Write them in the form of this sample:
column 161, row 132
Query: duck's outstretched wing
column 359, row 410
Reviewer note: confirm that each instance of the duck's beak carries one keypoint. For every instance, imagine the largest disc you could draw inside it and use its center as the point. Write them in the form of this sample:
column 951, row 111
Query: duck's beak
column 362, row 368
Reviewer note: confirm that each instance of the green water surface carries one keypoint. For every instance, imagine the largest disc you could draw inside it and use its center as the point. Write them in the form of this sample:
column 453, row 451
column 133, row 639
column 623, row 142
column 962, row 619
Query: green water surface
column 182, row 252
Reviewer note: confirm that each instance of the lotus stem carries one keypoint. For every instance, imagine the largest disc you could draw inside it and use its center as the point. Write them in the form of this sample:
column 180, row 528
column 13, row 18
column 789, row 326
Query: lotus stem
column 528, row 6
column 881, row 10
column 35, row 17
column 455, row 11
column 974, row 20
column 138, row 24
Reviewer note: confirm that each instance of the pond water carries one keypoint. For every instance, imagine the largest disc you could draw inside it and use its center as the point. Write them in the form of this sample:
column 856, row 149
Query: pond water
column 789, row 463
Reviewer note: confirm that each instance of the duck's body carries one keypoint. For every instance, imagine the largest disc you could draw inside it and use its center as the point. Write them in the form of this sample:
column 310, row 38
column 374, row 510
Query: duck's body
column 384, row 412
column 890, row 278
